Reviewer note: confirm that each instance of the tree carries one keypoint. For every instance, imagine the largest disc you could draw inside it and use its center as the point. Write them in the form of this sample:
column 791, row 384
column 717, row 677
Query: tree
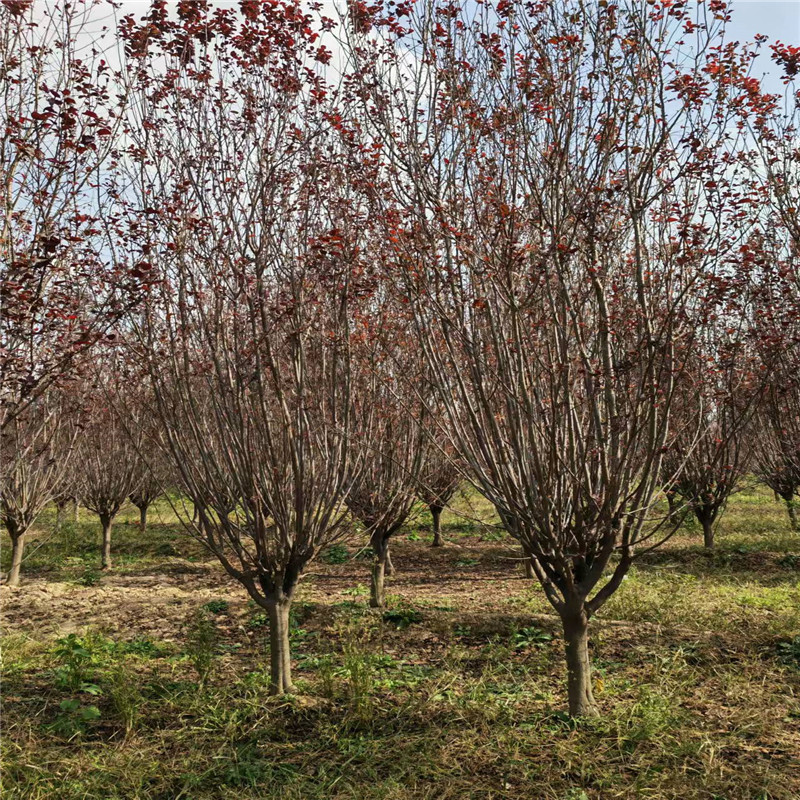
column 557, row 186
column 438, row 482
column 776, row 434
column 246, row 212
column 35, row 453
column 709, row 454
column 106, row 464
column 391, row 439
column 772, row 121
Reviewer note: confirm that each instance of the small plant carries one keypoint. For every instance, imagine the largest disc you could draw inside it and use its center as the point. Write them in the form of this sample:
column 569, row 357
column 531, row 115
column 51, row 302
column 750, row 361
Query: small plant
column 201, row 644
column 336, row 554
column 90, row 577
column 402, row 617
column 74, row 658
column 359, row 670
column 413, row 537
column 789, row 652
column 260, row 620
column 529, row 637
column 216, row 606
column 74, row 717
column 790, row 561
column 466, row 562
column 126, row 699
column 357, row 591
column 141, row 646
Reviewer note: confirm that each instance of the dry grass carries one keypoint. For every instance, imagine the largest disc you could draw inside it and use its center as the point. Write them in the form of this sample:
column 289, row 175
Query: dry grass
column 457, row 692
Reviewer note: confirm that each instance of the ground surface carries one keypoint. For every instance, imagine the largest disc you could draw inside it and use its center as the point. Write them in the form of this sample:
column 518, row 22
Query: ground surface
column 151, row 681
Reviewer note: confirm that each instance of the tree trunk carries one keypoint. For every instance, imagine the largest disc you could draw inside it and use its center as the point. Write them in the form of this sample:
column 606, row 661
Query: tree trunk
column 579, row 668
column 75, row 506
column 60, row 509
column 142, row 519
column 106, row 550
column 17, row 546
column 436, row 513
column 280, row 663
column 529, row 573
column 708, row 533
column 380, row 547
column 791, row 507
column 672, row 501
column 389, row 564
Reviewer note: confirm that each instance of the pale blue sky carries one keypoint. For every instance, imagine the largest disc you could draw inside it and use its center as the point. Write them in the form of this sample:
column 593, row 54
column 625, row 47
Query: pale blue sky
column 778, row 19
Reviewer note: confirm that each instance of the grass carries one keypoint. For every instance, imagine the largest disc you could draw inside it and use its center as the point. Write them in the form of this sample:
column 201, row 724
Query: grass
column 151, row 682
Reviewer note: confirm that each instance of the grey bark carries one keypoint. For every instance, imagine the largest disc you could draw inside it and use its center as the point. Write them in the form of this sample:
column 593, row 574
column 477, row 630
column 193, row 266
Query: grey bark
column 106, row 521
column 280, row 665
column 436, row 514
column 529, row 573
column 17, row 547
column 579, row 668
column 380, row 547
column 791, row 508
column 708, row 532
column 61, row 507
column 142, row 519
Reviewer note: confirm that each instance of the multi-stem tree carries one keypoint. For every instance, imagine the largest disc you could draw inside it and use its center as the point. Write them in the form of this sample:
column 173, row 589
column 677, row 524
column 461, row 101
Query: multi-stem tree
column 106, row 464
column 709, row 454
column 246, row 211
column 392, row 439
column 438, row 482
column 558, row 210
column 35, row 454
column 773, row 121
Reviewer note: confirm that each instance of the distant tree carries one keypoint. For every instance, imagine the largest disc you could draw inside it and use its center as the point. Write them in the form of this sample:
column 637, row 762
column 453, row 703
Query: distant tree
column 391, row 440
column 35, row 455
column 776, row 443
column 772, row 121
column 438, row 482
column 106, row 465
column 709, row 454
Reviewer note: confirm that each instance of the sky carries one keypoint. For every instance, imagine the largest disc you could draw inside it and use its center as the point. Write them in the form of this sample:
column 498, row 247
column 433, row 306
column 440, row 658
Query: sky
column 777, row 19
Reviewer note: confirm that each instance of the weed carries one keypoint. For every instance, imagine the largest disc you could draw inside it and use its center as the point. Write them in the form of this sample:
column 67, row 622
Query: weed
column 336, row 554
column 124, row 694
column 789, row 652
column 202, row 641
column 216, row 606
column 75, row 659
column 74, row 717
column 529, row 637
column 357, row 591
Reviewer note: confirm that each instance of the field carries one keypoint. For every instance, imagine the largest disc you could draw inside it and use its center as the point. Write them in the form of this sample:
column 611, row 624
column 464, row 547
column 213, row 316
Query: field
column 150, row 682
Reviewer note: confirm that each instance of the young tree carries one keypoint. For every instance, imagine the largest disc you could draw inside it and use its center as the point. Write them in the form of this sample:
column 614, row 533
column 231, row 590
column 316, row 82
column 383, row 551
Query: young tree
column 254, row 230
column 35, row 454
column 438, row 482
column 710, row 451
column 147, row 492
column 393, row 441
column 106, row 465
column 561, row 211
column 776, row 437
